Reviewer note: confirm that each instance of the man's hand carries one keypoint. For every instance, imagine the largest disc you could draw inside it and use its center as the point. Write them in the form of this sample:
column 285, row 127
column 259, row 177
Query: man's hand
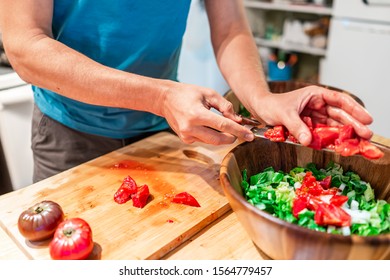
column 187, row 109
column 321, row 104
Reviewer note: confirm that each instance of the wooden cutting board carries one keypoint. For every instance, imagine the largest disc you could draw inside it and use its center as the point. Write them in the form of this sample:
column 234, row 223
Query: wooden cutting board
column 8, row 248
column 121, row 231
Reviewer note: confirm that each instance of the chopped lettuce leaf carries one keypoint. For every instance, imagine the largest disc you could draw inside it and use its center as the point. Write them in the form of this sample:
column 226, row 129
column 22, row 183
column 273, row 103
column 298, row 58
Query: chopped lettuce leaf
column 274, row 192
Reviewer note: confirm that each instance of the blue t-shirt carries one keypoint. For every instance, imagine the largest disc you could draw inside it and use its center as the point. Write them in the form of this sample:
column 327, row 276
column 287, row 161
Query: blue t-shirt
column 138, row 36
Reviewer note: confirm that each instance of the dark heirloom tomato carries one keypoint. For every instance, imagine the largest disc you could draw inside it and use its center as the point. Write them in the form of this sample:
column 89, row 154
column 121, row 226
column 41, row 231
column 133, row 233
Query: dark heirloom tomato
column 40, row 221
column 72, row 240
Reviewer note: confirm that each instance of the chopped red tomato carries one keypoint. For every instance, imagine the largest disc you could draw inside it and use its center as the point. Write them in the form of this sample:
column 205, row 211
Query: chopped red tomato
column 369, row 150
column 329, row 214
column 320, row 197
column 325, row 183
column 129, row 190
column 141, row 196
column 347, row 147
column 324, row 136
column 300, row 202
column 342, row 139
column 185, row 198
column 276, row 134
column 314, row 203
column 126, row 190
column 310, row 185
column 346, row 132
column 338, row 200
column 292, row 138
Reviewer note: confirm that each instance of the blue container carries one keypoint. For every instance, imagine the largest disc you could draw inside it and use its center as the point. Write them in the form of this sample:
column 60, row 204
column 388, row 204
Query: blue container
column 279, row 71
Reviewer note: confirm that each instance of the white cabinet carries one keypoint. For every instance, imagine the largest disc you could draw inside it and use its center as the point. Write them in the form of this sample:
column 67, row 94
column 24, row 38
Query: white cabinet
column 358, row 56
column 16, row 105
column 294, row 28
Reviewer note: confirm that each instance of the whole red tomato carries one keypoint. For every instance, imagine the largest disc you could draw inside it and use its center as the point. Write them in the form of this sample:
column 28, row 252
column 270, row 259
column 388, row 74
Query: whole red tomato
column 40, row 221
column 72, row 240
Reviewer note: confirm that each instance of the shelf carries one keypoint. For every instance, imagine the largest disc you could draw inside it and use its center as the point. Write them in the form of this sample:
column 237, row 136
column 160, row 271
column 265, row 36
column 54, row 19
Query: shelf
column 290, row 47
column 298, row 8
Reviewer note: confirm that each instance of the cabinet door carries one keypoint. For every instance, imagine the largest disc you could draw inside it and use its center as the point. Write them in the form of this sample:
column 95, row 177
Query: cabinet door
column 373, row 10
column 357, row 61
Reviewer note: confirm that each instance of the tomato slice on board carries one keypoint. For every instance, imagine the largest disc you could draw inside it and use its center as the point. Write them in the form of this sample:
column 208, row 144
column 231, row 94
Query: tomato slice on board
column 126, row 190
column 369, row 150
column 185, row 198
column 140, row 198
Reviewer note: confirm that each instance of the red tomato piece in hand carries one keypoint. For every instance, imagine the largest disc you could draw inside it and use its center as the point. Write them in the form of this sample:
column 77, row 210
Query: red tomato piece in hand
column 346, row 132
column 369, row 150
column 347, row 147
column 126, row 190
column 140, row 198
column 324, row 136
column 276, row 134
column 185, row 198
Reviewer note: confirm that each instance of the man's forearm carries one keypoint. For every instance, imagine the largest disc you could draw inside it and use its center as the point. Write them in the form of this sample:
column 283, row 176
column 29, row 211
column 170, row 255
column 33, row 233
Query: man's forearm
column 236, row 51
column 50, row 64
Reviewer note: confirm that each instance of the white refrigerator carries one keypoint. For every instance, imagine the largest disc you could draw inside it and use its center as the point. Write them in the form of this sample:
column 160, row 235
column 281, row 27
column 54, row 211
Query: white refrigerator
column 358, row 56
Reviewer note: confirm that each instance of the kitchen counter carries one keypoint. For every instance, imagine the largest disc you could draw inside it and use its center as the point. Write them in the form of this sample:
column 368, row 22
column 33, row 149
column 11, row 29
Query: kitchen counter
column 160, row 230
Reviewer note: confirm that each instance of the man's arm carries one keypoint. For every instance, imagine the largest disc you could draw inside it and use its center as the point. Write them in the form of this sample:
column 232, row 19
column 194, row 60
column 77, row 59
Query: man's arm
column 238, row 59
column 45, row 62
column 235, row 50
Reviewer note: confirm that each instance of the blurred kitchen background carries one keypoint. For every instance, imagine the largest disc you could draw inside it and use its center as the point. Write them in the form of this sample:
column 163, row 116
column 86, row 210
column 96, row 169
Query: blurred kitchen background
column 339, row 43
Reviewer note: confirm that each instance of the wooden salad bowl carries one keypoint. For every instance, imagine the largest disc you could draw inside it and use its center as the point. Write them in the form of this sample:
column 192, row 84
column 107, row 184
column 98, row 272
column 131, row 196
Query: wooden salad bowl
column 279, row 239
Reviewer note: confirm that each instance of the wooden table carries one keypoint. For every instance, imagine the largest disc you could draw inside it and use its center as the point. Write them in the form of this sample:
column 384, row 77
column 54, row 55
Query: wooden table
column 168, row 166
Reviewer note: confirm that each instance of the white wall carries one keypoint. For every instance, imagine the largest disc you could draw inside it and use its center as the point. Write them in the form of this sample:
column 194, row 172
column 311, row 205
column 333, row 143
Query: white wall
column 197, row 64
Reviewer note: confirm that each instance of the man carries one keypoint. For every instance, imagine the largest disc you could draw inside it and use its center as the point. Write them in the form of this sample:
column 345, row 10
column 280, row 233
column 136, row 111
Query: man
column 104, row 75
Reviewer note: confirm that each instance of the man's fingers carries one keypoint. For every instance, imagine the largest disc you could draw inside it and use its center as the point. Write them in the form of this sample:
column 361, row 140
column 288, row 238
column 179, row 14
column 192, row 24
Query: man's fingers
column 298, row 129
column 349, row 105
column 209, row 136
column 341, row 116
column 224, row 106
column 225, row 125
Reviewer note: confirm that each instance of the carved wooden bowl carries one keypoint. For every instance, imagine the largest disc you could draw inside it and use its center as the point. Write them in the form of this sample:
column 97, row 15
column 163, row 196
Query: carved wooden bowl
column 281, row 240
